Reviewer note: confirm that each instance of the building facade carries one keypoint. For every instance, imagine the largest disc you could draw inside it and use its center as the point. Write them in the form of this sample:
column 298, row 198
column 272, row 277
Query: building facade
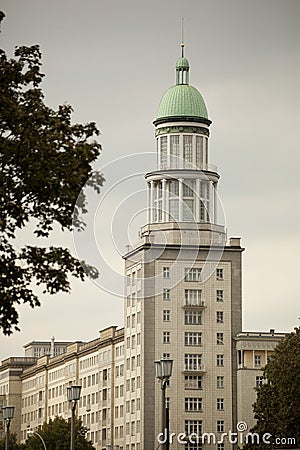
column 183, row 301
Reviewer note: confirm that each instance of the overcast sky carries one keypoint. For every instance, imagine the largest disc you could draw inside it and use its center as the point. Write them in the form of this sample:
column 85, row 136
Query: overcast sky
column 112, row 61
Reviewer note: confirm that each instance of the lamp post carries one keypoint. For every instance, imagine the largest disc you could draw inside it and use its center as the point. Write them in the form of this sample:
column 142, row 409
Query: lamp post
column 8, row 414
column 30, row 433
column 163, row 371
column 73, row 395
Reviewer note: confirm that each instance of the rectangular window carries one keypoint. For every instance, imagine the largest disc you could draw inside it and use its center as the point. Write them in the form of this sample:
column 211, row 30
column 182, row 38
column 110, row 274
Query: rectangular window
column 163, row 152
column 220, row 382
column 220, row 338
column 258, row 381
column 193, row 274
column 220, row 296
column 174, row 151
column 166, row 315
column 193, row 427
column 193, row 404
column 192, row 338
column 166, row 337
column 193, row 317
column 220, row 360
column 219, row 274
column 192, row 361
column 220, row 317
column 199, row 150
column 257, row 360
column 188, row 150
column 192, row 382
column 166, row 294
column 166, row 272
column 220, row 404
column 192, row 297
column 220, row 426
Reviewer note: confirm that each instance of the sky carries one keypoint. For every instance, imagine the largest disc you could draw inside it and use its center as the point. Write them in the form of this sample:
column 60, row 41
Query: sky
column 112, row 61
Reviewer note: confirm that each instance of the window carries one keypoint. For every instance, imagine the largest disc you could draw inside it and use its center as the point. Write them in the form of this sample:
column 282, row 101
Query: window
column 221, row 446
column 192, row 297
column 193, row 427
column 166, row 315
column 220, row 338
column 220, row 317
column 199, row 150
column 193, row 274
column 133, row 320
column 166, row 337
column 174, row 151
column 132, row 406
column 257, row 360
column 220, row 297
column 192, row 338
column 220, row 426
column 220, row 382
column 133, row 342
column 163, row 151
column 220, row 404
column 193, row 317
column 133, row 363
column 166, row 355
column 192, row 361
column 220, row 360
column 193, row 404
column 258, row 381
column 166, row 272
column 219, row 274
column 192, row 382
column 166, row 294
column 188, row 149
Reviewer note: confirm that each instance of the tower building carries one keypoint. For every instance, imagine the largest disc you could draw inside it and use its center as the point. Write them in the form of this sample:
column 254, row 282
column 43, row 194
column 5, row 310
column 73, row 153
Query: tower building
column 183, row 289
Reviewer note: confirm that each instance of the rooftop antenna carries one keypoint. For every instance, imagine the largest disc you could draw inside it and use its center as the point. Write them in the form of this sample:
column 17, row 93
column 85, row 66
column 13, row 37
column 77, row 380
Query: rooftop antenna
column 182, row 38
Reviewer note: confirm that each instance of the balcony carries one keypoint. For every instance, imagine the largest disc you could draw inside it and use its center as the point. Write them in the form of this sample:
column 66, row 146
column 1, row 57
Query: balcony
column 194, row 368
column 194, row 305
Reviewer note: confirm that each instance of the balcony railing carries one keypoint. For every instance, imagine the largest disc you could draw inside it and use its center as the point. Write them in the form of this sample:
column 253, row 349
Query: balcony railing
column 193, row 304
column 194, row 368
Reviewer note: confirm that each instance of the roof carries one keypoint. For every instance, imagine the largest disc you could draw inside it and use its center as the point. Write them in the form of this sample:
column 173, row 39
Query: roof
column 182, row 100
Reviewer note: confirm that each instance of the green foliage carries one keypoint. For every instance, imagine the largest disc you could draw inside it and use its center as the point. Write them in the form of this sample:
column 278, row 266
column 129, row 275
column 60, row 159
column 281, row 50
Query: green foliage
column 12, row 443
column 277, row 408
column 45, row 161
column 56, row 435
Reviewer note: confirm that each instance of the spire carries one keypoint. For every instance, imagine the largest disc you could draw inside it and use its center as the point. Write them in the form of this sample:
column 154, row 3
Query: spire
column 182, row 39
column 182, row 64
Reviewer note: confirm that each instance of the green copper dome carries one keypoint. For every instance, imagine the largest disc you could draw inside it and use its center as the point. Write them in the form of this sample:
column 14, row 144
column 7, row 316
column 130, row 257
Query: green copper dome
column 182, row 62
column 182, row 100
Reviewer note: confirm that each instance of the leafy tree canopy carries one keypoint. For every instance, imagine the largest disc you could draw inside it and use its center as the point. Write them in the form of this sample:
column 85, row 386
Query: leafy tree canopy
column 56, row 435
column 45, row 161
column 277, row 408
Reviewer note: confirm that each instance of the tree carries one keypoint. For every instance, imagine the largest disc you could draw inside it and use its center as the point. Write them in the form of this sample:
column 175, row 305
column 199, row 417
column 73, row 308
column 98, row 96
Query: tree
column 277, row 408
column 56, row 435
column 12, row 443
column 45, row 161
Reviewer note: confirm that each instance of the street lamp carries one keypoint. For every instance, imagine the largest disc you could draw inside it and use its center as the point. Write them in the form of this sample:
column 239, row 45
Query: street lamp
column 7, row 414
column 163, row 371
column 30, row 433
column 73, row 395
